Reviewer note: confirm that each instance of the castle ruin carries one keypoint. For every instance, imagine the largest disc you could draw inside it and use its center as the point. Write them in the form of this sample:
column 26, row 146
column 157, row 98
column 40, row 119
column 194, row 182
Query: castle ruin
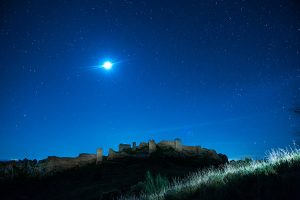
column 144, row 150
column 162, row 149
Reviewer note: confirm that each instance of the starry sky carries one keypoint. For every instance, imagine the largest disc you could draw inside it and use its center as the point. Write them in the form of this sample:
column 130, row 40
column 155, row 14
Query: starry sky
column 220, row 74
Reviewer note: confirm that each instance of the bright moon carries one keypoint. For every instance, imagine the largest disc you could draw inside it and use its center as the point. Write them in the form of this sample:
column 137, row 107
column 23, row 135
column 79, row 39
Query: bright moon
column 107, row 65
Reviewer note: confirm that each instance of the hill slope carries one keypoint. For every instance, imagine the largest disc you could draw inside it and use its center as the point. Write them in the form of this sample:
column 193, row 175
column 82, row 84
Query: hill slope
column 105, row 181
column 276, row 178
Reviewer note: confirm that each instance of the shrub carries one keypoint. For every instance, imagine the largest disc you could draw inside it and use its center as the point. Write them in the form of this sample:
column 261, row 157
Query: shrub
column 154, row 184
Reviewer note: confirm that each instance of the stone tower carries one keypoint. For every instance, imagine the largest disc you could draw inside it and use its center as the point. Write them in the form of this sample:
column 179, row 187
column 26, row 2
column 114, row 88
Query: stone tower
column 178, row 145
column 134, row 146
column 99, row 158
column 152, row 146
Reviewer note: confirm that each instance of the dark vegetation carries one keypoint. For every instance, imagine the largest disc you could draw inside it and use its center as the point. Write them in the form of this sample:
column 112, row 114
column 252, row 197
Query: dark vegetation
column 106, row 181
column 280, row 183
column 154, row 183
column 297, row 112
column 277, row 177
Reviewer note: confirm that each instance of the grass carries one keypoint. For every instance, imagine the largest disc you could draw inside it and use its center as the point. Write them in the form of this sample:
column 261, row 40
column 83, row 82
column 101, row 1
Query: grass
column 213, row 182
column 154, row 183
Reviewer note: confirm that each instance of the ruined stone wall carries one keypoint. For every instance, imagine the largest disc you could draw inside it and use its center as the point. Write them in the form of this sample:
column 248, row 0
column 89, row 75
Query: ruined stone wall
column 165, row 143
column 85, row 158
column 111, row 154
column 143, row 145
column 122, row 147
column 176, row 144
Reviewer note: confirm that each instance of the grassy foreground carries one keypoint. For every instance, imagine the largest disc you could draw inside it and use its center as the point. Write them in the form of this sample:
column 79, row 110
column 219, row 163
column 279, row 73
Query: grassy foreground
column 277, row 177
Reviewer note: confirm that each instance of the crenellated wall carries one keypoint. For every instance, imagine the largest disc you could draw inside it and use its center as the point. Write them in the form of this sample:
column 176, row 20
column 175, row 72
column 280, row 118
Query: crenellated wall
column 111, row 154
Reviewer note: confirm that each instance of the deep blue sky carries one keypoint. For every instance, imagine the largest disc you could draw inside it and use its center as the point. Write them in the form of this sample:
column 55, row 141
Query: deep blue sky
column 220, row 74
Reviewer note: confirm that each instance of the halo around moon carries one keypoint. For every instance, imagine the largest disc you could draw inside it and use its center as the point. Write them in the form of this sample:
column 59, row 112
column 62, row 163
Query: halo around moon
column 107, row 65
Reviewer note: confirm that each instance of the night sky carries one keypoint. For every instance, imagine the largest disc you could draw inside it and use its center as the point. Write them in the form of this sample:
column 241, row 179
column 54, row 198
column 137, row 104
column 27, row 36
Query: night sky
column 220, row 74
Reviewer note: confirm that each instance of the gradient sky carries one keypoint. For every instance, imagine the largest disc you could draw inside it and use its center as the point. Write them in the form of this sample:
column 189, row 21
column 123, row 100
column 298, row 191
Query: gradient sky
column 220, row 74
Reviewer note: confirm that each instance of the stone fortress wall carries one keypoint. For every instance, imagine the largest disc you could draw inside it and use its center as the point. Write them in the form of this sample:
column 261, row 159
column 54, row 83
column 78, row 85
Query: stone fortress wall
column 143, row 150
column 176, row 144
column 146, row 149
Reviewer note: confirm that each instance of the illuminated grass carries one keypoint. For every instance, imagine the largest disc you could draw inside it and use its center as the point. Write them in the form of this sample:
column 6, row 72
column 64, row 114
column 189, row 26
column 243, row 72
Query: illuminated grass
column 217, row 178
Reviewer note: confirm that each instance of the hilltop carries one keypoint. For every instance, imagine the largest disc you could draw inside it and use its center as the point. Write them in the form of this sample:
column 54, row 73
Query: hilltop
column 166, row 170
column 94, row 176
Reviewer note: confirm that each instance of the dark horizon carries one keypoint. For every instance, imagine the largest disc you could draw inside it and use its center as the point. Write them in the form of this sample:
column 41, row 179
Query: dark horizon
column 223, row 75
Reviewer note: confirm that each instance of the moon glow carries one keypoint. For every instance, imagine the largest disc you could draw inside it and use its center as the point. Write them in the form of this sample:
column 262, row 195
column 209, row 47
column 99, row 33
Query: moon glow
column 107, row 65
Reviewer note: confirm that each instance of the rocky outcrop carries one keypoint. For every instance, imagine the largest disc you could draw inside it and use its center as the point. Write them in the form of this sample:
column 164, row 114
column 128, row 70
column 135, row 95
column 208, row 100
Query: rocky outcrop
column 56, row 164
column 13, row 169
column 50, row 165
